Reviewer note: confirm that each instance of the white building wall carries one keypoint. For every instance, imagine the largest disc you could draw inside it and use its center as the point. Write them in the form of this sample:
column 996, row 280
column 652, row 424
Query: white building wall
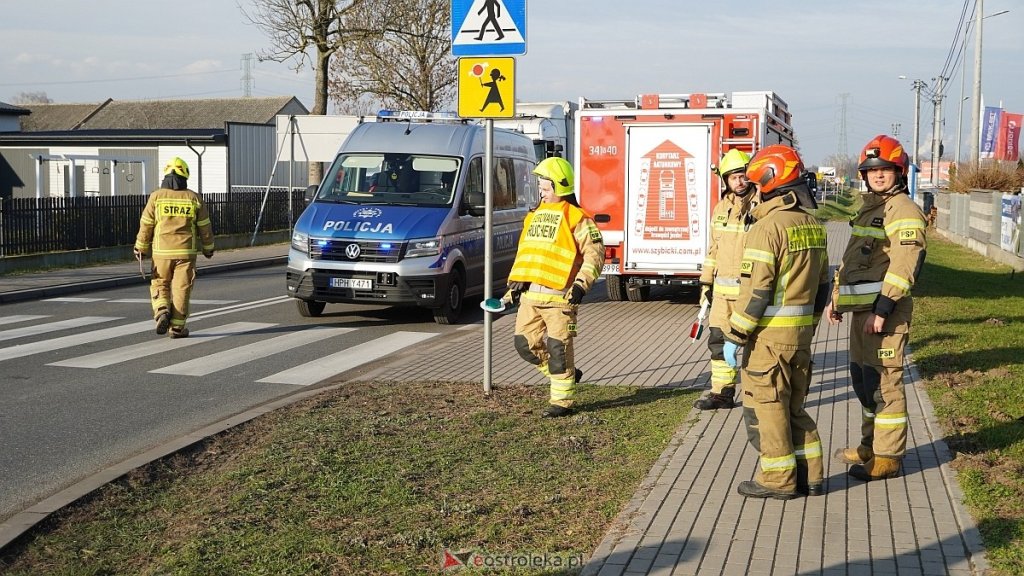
column 214, row 166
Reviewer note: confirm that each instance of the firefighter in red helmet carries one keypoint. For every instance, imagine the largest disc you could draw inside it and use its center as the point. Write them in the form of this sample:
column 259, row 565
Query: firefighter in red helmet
column 880, row 266
column 784, row 286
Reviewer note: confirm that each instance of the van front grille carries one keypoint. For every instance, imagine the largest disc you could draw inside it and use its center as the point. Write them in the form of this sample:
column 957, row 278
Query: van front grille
column 364, row 251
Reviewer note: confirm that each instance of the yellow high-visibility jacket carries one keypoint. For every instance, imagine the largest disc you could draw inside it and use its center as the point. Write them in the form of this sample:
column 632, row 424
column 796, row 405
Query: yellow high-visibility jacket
column 884, row 256
column 175, row 224
column 784, row 279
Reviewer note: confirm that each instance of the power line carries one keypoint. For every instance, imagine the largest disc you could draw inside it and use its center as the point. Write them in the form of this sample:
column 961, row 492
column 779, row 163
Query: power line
column 98, row 81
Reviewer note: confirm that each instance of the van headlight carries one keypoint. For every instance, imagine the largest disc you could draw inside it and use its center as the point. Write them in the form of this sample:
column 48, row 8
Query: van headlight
column 300, row 242
column 423, row 247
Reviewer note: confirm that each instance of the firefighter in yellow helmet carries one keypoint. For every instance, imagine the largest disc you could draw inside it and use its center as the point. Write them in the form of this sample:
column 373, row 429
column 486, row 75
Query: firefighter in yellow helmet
column 174, row 227
column 784, row 288
column 559, row 258
column 882, row 262
column 720, row 275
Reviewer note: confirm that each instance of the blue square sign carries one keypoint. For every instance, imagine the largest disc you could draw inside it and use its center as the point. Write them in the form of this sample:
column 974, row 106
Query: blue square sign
column 488, row 27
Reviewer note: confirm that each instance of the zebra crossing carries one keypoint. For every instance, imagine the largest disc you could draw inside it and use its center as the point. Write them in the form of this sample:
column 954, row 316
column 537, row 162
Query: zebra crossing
column 104, row 329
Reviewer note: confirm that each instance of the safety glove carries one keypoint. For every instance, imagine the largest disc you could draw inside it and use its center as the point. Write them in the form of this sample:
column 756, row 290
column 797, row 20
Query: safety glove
column 729, row 350
column 515, row 290
column 706, row 294
column 575, row 294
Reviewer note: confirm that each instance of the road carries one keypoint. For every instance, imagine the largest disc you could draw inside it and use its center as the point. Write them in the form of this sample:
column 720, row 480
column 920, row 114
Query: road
column 86, row 383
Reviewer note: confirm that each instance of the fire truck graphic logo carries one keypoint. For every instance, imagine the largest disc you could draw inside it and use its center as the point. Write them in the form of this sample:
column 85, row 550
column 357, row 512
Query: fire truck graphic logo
column 667, row 205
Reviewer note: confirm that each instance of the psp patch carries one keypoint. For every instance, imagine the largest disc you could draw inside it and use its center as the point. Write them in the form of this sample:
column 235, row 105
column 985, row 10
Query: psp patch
column 886, row 353
column 909, row 236
column 746, row 267
column 571, row 327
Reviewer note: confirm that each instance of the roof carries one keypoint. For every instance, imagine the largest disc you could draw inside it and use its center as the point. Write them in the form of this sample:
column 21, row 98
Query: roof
column 12, row 110
column 158, row 114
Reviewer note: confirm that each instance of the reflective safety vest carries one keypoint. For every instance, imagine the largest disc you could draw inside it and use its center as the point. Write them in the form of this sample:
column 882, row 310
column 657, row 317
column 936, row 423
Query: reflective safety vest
column 547, row 249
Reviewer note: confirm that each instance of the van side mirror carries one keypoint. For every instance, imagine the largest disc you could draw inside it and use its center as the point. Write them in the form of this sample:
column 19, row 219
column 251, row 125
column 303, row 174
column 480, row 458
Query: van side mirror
column 310, row 193
column 473, row 203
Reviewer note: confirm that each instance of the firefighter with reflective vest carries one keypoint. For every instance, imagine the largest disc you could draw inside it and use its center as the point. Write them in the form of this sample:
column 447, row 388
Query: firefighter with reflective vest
column 720, row 275
column 784, row 287
column 174, row 228
column 881, row 264
column 559, row 258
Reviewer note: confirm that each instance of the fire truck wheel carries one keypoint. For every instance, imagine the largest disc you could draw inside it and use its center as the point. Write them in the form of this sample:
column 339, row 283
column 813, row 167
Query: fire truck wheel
column 638, row 293
column 616, row 287
column 310, row 308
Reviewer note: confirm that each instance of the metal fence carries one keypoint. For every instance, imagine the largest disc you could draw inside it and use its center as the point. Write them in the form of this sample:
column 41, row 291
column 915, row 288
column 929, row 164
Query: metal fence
column 41, row 225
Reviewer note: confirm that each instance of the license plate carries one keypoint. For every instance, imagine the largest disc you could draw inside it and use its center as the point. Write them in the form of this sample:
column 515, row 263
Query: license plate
column 356, row 283
column 610, row 269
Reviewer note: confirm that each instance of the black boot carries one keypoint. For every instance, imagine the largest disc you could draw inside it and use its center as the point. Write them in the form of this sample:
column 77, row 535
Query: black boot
column 715, row 401
column 752, row 489
column 579, row 375
column 555, row 411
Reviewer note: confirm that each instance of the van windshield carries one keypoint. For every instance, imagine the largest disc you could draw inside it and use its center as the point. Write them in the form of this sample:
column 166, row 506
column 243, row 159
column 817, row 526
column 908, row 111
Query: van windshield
column 399, row 179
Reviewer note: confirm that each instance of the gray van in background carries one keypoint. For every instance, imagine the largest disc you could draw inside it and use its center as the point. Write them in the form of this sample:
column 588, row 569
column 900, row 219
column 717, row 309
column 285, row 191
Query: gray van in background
column 399, row 217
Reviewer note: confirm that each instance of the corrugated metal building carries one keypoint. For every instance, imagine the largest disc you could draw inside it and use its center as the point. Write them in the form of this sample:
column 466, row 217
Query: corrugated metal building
column 115, row 148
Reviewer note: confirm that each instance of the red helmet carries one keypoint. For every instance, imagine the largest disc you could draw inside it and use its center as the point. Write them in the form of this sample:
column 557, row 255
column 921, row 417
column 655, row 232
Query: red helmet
column 883, row 152
column 775, row 167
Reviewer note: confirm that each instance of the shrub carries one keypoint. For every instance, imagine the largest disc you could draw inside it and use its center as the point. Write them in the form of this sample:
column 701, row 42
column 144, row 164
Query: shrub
column 989, row 175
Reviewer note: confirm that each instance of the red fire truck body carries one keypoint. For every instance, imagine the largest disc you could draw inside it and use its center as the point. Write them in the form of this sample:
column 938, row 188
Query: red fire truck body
column 644, row 170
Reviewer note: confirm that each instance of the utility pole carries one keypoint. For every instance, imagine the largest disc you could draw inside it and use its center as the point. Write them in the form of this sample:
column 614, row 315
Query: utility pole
column 979, row 11
column 918, row 86
column 937, row 132
column 895, row 129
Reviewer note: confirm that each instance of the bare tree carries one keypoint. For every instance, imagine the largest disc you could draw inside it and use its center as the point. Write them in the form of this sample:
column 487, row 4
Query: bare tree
column 295, row 26
column 39, row 97
column 404, row 62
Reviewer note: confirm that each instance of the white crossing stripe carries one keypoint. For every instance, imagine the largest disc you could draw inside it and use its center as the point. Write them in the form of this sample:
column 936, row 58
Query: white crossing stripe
column 73, row 299
column 349, row 358
column 74, row 340
column 134, row 352
column 54, row 326
column 192, row 302
column 14, row 319
column 243, row 354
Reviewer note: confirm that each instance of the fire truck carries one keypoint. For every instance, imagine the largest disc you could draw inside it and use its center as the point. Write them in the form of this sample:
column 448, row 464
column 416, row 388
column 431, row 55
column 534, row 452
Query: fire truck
column 644, row 169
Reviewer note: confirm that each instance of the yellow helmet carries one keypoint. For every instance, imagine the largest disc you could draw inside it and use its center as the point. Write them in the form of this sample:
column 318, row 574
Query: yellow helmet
column 733, row 161
column 559, row 171
column 178, row 166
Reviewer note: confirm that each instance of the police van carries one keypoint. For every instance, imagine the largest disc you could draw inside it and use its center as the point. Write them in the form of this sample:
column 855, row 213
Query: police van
column 399, row 217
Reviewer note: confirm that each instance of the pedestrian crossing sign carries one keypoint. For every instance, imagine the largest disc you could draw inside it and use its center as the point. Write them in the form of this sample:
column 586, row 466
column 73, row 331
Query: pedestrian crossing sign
column 488, row 27
column 487, row 87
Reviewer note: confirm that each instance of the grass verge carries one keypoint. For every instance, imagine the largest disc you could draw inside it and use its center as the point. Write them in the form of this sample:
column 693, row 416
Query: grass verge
column 842, row 206
column 374, row 478
column 968, row 341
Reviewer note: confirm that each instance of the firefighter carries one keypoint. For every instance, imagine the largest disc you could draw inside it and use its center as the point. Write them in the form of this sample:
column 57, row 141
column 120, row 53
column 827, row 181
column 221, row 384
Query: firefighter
column 720, row 275
column 559, row 258
column 174, row 228
column 882, row 261
column 784, row 287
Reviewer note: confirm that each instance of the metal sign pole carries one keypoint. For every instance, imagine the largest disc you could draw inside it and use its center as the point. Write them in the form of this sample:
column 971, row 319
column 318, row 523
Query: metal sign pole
column 488, row 244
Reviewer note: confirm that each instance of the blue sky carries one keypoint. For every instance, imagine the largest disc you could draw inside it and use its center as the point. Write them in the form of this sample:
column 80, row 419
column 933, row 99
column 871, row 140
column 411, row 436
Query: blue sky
column 807, row 52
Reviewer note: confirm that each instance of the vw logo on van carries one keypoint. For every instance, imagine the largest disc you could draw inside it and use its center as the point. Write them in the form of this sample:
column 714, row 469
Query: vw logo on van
column 367, row 213
column 352, row 251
